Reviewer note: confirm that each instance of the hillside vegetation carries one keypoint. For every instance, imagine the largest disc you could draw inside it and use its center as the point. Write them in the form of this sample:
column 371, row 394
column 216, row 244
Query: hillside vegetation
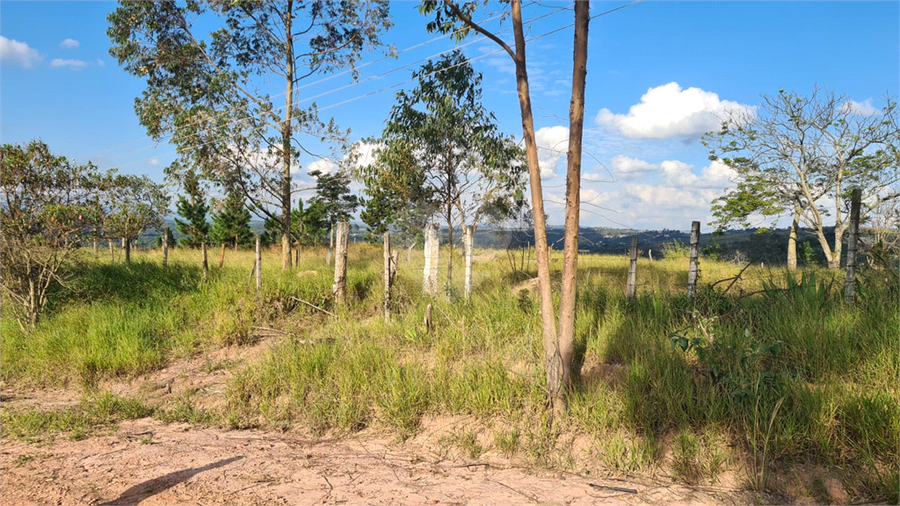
column 757, row 376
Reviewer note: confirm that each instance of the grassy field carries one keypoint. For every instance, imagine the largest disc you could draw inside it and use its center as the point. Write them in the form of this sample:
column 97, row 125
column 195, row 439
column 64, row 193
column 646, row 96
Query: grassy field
column 775, row 375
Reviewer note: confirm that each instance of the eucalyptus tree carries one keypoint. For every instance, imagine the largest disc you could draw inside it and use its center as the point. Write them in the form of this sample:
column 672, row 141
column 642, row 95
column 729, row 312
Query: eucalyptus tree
column 214, row 92
column 455, row 18
column 464, row 161
column 803, row 155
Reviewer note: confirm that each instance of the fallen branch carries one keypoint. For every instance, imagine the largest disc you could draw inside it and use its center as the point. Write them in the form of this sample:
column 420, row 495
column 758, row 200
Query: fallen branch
column 315, row 307
column 614, row 489
column 732, row 279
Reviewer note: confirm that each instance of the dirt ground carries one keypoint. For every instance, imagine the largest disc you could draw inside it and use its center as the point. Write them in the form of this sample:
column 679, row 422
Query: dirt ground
column 149, row 462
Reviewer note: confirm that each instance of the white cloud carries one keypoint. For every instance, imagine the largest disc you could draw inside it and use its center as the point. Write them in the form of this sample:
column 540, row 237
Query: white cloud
column 69, row 44
column 101, row 63
column 626, row 165
column 363, row 152
column 552, row 143
column 863, row 108
column 323, row 165
column 154, row 162
column 18, row 53
column 668, row 111
column 72, row 64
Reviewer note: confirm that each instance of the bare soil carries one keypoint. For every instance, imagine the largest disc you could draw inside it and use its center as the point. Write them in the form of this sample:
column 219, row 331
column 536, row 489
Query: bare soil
column 149, row 462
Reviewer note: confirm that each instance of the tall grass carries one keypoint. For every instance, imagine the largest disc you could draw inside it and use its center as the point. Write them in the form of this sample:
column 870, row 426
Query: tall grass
column 777, row 371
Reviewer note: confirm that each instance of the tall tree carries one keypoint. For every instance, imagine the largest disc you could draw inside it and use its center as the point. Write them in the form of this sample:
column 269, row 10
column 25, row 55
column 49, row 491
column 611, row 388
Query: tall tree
column 452, row 17
column 310, row 223
column 133, row 205
column 213, row 92
column 231, row 224
column 803, row 155
column 334, row 197
column 466, row 162
column 193, row 208
column 48, row 204
column 398, row 198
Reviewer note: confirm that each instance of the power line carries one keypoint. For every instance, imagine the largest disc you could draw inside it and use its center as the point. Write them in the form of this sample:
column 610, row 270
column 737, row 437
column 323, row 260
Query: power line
column 432, row 73
column 277, row 109
column 327, row 78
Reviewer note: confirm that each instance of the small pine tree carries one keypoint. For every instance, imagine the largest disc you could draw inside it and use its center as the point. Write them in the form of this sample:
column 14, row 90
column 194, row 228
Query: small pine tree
column 231, row 225
column 171, row 236
column 193, row 209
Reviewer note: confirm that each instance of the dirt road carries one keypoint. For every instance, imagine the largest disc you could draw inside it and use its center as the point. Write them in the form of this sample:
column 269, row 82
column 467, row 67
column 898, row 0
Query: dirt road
column 150, row 463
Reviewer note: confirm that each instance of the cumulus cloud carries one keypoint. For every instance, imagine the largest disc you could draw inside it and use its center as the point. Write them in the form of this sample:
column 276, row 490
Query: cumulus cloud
column 101, row 63
column 864, row 108
column 552, row 143
column 154, row 162
column 676, row 173
column 71, row 64
column 323, row 165
column 69, row 44
column 625, row 165
column 668, row 111
column 18, row 53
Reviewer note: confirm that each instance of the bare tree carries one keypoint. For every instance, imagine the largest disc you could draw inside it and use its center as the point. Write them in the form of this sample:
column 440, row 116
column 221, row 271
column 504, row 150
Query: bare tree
column 803, row 155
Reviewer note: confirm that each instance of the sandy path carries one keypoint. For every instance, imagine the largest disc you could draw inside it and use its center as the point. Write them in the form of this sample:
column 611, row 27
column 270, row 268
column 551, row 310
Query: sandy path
column 150, row 463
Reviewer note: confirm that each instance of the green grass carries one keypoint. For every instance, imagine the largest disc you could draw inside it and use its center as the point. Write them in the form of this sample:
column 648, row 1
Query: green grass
column 780, row 370
column 93, row 414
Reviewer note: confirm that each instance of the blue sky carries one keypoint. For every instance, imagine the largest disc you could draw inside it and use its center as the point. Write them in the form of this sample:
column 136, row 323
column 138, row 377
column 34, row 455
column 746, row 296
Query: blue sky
column 658, row 72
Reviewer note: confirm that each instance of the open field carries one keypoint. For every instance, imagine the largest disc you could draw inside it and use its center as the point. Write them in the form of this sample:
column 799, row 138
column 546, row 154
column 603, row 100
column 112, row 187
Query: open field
column 144, row 383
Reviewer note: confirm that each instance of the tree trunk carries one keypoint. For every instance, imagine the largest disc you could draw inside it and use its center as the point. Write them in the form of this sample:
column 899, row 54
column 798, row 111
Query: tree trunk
column 222, row 256
column 450, row 244
column 852, row 243
column 792, row 242
column 165, row 245
column 126, row 243
column 573, row 207
column 330, row 249
column 286, row 140
column 387, row 275
column 96, row 248
column 548, row 324
column 693, row 266
column 468, row 246
column 112, row 252
column 340, row 264
column 205, row 262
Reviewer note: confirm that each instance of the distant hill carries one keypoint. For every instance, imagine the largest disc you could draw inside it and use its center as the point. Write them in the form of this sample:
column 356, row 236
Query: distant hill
column 740, row 245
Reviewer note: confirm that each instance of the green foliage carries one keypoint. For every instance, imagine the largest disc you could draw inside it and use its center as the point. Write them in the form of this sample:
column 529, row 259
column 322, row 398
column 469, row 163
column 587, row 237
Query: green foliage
column 133, row 205
column 49, row 205
column 171, row 239
column 231, row 224
column 333, row 197
column 210, row 90
column 193, row 208
column 441, row 152
column 796, row 152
